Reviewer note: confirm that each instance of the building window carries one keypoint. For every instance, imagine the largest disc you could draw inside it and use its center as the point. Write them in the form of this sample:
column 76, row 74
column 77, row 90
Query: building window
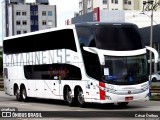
column 112, row 1
column 32, row 13
column 18, row 22
column 90, row 9
column 35, row 12
column 81, row 12
column 104, row 1
column 129, row 3
column 80, row 5
column 24, row 31
column 32, row 22
column 18, row 13
column 43, row 13
column 50, row 23
column 36, row 22
column 24, row 13
column 115, row 1
column 49, row 13
column 24, row 22
column 125, row 2
column 44, row 22
column 18, row 32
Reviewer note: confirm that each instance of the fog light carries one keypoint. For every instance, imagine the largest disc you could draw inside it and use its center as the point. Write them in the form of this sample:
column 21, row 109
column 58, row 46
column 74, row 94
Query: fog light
column 108, row 97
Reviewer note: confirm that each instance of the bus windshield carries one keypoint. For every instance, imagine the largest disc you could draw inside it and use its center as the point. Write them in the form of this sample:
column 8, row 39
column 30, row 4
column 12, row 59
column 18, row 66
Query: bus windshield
column 125, row 70
column 118, row 37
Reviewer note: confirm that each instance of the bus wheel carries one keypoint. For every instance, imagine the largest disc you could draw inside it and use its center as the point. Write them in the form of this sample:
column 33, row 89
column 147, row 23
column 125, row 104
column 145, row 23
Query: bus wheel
column 24, row 95
column 154, row 79
column 69, row 97
column 80, row 98
column 17, row 94
column 123, row 104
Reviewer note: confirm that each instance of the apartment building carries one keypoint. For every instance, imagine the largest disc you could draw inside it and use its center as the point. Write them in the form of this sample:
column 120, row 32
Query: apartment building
column 86, row 6
column 23, row 16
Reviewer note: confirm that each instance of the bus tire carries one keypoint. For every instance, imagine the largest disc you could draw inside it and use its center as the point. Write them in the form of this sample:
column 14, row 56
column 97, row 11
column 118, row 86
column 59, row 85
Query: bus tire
column 18, row 95
column 154, row 79
column 24, row 94
column 123, row 104
column 69, row 97
column 80, row 98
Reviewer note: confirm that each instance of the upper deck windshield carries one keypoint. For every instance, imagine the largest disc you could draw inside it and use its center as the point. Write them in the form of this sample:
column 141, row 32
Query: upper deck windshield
column 117, row 37
column 125, row 70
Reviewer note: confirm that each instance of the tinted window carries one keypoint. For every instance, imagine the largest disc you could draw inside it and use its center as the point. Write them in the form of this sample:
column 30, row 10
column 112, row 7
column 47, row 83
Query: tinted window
column 5, row 74
column 52, row 72
column 85, row 35
column 118, row 37
column 62, row 39
column 92, row 65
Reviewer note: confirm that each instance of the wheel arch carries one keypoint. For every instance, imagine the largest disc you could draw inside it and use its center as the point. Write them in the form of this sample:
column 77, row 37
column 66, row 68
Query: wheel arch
column 22, row 86
column 76, row 89
column 65, row 90
column 15, row 87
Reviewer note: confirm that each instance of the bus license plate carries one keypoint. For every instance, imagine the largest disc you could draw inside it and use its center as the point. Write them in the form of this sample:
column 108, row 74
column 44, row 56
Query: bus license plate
column 128, row 98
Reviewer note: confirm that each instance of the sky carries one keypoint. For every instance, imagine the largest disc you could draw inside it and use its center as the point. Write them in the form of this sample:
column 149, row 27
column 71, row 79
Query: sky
column 65, row 10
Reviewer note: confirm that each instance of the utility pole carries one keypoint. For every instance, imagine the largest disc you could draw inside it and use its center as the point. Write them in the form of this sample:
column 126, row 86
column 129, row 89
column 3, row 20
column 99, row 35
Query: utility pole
column 148, row 6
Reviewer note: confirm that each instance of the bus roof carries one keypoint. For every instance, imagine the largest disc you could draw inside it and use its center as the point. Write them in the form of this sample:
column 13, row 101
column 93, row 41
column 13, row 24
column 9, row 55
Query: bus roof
column 103, row 23
column 72, row 26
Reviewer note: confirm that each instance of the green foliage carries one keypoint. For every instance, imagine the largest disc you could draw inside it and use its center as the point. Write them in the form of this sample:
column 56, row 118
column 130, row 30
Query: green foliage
column 155, row 97
column 154, row 86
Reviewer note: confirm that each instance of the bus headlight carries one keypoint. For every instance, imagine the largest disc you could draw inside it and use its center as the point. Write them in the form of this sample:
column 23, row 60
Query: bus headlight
column 110, row 90
column 108, row 97
column 144, row 87
column 107, row 89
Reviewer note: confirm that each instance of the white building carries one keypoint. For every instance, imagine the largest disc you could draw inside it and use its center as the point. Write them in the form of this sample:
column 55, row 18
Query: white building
column 86, row 6
column 22, row 16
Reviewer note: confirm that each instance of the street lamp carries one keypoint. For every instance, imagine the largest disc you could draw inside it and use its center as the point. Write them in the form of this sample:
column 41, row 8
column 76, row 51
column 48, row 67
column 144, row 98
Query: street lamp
column 150, row 8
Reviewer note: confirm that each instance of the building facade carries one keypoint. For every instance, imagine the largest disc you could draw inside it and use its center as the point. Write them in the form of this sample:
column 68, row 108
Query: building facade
column 86, row 6
column 22, row 16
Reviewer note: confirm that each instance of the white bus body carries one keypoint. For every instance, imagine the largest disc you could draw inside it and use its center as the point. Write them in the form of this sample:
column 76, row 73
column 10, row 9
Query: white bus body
column 50, row 64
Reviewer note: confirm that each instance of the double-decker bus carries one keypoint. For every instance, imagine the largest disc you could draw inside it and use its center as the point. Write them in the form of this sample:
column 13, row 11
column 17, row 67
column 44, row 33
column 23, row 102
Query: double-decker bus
column 81, row 63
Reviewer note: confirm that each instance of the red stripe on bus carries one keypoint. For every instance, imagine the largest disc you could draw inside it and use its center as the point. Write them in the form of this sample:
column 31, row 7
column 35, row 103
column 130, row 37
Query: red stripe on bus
column 102, row 92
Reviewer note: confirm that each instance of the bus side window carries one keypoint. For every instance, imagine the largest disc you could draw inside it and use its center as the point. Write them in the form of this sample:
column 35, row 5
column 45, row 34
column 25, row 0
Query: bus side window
column 5, row 74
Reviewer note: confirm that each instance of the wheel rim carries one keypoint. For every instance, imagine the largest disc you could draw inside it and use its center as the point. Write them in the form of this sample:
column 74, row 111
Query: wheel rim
column 69, row 98
column 17, row 94
column 81, row 97
column 24, row 94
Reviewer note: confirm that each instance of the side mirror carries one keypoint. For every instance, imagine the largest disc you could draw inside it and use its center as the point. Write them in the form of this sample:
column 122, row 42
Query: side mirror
column 156, row 55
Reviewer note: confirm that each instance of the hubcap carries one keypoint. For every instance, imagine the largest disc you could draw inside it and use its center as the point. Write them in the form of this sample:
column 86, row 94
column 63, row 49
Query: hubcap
column 17, row 93
column 69, row 98
column 24, row 94
column 81, row 98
